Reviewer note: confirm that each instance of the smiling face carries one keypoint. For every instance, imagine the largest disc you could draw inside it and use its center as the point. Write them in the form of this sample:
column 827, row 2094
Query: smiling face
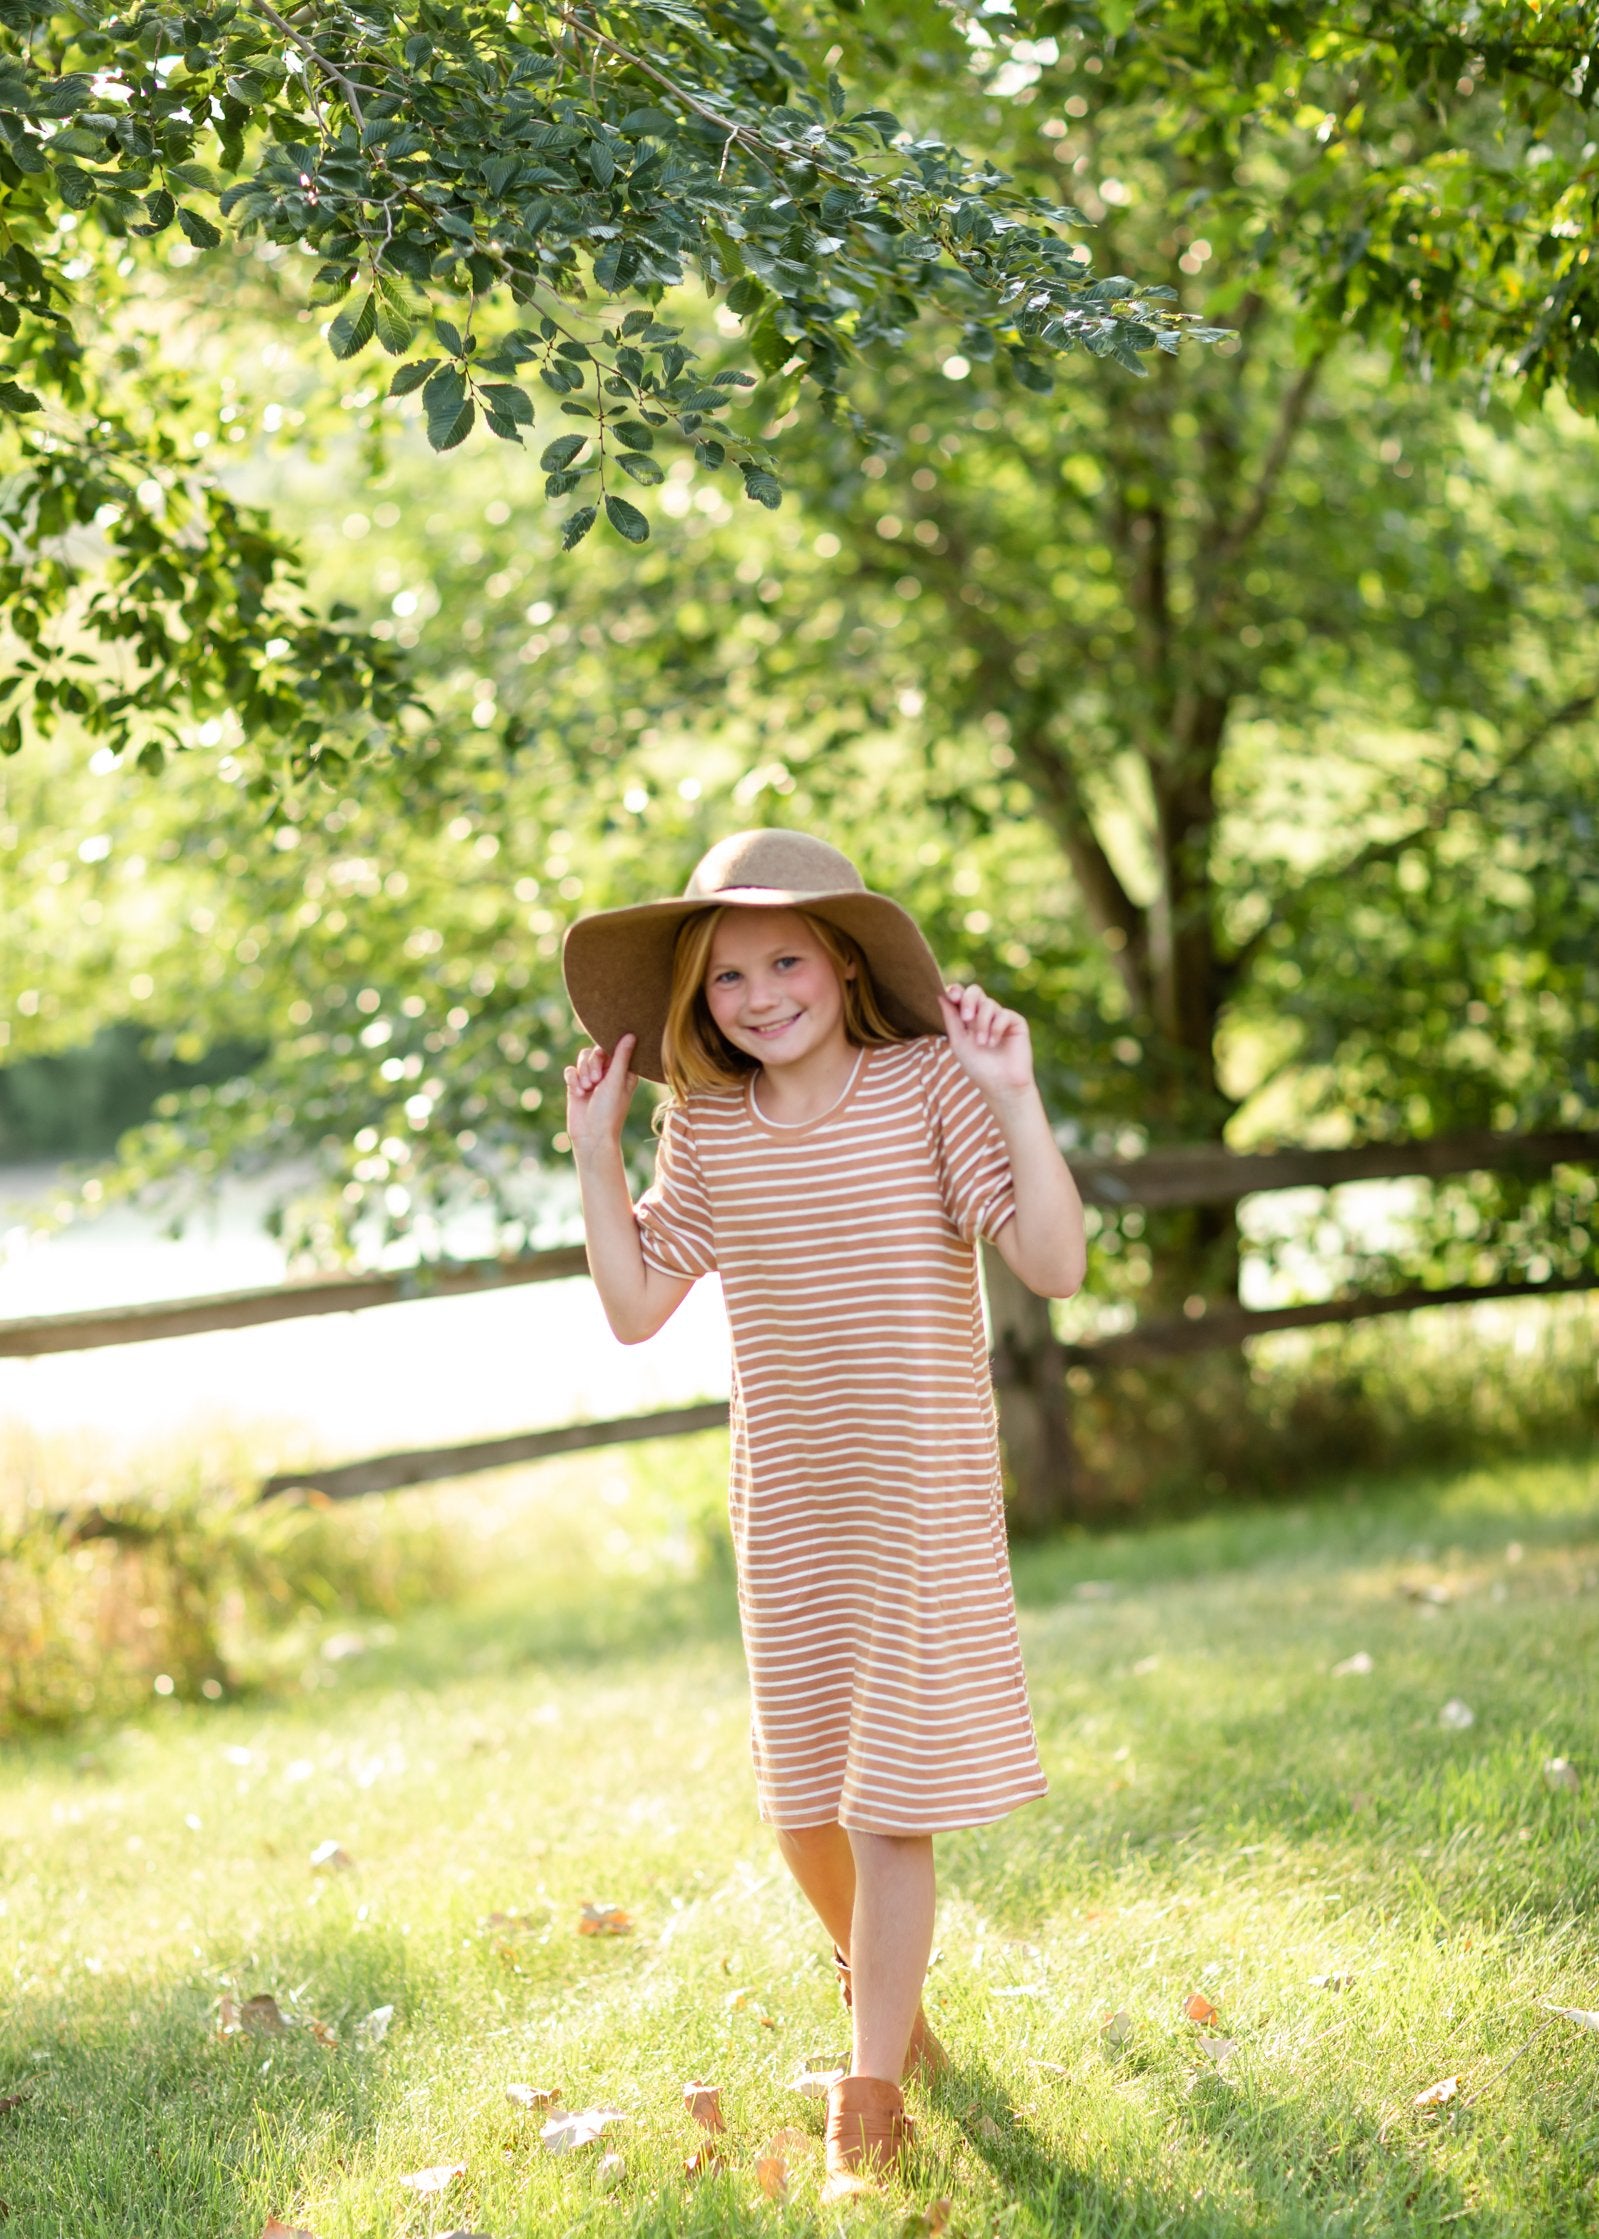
column 771, row 987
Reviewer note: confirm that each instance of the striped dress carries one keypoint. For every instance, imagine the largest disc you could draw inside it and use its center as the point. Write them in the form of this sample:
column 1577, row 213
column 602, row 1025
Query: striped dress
column 874, row 1588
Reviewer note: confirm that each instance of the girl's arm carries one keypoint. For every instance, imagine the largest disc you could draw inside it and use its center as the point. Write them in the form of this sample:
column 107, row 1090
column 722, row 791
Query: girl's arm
column 637, row 1298
column 1043, row 1243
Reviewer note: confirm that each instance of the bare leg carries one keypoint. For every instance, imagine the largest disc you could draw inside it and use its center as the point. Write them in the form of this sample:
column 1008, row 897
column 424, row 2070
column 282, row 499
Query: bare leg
column 822, row 1862
column 890, row 1942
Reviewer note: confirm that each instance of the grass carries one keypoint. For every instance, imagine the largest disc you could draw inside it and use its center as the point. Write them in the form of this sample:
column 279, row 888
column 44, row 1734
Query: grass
column 1225, row 1817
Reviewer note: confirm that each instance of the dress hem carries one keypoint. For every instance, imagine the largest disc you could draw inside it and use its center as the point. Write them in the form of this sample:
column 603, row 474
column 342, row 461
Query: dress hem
column 944, row 1827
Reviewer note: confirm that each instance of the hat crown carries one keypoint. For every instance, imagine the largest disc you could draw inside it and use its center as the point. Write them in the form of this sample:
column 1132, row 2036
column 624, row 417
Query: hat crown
column 788, row 862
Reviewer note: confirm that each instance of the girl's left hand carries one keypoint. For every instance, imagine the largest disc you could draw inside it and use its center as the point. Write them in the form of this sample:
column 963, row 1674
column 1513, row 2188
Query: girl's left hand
column 992, row 1044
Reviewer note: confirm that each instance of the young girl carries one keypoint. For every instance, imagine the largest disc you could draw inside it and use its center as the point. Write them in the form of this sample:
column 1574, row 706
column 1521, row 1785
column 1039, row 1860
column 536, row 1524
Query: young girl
column 841, row 1129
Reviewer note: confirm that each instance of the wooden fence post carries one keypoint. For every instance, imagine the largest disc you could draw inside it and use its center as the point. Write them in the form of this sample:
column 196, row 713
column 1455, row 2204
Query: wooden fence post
column 1030, row 1388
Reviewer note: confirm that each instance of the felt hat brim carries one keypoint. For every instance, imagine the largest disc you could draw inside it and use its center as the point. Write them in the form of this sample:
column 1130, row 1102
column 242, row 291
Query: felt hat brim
column 618, row 963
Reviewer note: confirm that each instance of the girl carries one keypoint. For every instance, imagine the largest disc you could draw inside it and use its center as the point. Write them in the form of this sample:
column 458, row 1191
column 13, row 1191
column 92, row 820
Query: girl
column 841, row 1129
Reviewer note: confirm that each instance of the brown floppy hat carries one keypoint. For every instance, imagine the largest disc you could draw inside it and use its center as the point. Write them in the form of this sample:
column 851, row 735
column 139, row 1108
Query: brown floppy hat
column 618, row 963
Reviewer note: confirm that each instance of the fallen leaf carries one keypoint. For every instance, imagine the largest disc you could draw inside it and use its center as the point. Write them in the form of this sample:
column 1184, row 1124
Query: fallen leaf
column 1356, row 1666
column 325, row 2035
column 1116, row 2030
column 272, row 2229
column 815, row 2083
column 604, row 1920
column 988, row 2129
column 532, row 2095
column 1437, row 1597
column 261, row 2016
column 330, row 1858
column 772, row 2162
column 706, row 2157
column 1436, row 2094
column 611, row 2170
column 1055, row 2067
column 1219, row 2049
column 374, row 2027
column 1456, row 1715
column 564, row 2132
column 11, row 2102
column 437, row 2179
column 1582, row 2016
column 704, row 2103
column 1339, row 1981
column 1560, row 1772
column 928, row 2222
column 1199, row 2008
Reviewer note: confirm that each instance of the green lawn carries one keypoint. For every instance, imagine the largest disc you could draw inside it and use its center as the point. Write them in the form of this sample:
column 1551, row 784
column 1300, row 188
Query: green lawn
column 1226, row 1817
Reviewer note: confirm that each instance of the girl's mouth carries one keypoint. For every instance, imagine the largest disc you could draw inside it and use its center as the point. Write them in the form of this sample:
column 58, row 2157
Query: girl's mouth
column 780, row 1026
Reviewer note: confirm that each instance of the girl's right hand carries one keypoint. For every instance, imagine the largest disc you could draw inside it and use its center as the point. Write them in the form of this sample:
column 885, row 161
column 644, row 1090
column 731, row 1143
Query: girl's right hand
column 598, row 1092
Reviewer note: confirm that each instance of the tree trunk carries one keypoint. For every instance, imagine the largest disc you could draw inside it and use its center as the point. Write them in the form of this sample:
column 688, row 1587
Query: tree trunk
column 1030, row 1387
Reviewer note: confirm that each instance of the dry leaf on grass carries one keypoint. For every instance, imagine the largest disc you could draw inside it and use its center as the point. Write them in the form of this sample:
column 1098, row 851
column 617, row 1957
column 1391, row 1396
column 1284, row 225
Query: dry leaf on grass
column 325, row 2035
column 1219, row 2049
column 610, row 2171
column 374, row 2027
column 260, row 2016
column 1436, row 2095
column 928, row 2222
column 564, row 2132
column 532, row 2095
column 773, row 2162
column 1199, row 2008
column 273, row 2229
column 815, row 2083
column 1340, row 1980
column 706, row 2157
column 604, row 1920
column 1581, row 2015
column 1456, row 1716
column 1116, row 2029
column 437, row 2179
column 1357, row 1666
column 11, row 2102
column 1560, row 1772
column 704, row 2103
column 330, row 1858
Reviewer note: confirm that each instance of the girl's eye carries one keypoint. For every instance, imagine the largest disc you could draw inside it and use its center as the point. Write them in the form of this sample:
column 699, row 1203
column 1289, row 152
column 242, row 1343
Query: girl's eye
column 782, row 960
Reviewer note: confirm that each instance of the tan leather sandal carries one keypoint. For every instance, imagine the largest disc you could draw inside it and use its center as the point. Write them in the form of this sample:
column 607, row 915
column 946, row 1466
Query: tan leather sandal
column 924, row 2056
column 867, row 2133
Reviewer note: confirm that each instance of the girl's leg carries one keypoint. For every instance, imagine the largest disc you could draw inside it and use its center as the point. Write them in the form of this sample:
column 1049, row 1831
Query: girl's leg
column 890, row 1942
column 822, row 1862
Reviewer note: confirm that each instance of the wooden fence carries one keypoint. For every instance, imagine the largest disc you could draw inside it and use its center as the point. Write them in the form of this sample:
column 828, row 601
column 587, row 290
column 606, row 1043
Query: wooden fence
column 1201, row 1174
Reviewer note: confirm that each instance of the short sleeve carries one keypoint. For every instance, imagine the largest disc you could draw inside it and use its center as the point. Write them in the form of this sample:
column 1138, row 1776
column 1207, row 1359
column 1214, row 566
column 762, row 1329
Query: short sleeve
column 973, row 1164
column 676, row 1232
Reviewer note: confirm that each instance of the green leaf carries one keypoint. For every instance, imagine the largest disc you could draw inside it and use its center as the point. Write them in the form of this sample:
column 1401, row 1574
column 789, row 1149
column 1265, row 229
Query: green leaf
column 578, row 525
column 761, row 484
column 557, row 485
column 506, row 398
column 396, row 329
column 499, row 424
column 635, row 434
column 641, row 466
column 200, row 231
column 351, row 331
column 627, row 520
column 14, row 398
column 445, row 438
column 444, row 400
column 412, row 376
column 561, row 452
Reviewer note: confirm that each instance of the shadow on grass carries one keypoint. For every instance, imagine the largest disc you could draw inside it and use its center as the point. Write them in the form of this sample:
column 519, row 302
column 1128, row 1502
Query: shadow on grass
column 142, row 2120
column 1284, row 2165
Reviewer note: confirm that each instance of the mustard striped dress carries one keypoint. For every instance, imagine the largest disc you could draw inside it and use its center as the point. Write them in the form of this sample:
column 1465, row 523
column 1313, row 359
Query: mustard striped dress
column 886, row 1679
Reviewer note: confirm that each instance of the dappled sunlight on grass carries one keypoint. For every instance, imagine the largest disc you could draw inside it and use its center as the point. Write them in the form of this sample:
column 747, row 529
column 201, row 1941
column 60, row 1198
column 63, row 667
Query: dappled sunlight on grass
column 1370, row 1900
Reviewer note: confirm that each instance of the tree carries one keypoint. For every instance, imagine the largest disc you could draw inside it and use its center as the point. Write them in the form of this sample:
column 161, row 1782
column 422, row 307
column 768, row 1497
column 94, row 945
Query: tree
column 523, row 189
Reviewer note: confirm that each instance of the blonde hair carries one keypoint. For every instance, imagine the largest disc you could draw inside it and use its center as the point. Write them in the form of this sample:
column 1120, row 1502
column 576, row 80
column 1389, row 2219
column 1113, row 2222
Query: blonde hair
column 696, row 1054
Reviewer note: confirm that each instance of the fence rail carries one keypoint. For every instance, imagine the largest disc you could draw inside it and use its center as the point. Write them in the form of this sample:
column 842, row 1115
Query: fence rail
column 1198, row 1174
column 1201, row 1174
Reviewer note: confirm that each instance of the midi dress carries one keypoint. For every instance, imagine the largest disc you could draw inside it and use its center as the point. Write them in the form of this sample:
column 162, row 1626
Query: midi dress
column 886, row 1682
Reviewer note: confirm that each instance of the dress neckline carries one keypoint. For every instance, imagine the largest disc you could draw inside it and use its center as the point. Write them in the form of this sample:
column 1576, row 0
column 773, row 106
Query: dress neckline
column 793, row 1128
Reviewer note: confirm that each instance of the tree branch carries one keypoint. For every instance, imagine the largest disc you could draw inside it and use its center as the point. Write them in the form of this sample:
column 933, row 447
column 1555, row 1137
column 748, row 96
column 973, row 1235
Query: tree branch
column 334, row 75
column 1290, row 418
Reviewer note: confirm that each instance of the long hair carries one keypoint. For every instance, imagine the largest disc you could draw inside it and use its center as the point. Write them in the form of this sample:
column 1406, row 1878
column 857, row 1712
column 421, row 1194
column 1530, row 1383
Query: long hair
column 697, row 1055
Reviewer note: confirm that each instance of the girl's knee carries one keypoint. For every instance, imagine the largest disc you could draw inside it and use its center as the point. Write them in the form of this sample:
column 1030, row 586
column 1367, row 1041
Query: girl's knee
column 825, row 1836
